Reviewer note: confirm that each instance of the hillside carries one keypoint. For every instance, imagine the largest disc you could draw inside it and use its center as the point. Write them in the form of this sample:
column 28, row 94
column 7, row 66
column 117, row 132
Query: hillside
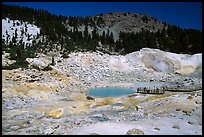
column 113, row 33
column 129, row 22
column 51, row 63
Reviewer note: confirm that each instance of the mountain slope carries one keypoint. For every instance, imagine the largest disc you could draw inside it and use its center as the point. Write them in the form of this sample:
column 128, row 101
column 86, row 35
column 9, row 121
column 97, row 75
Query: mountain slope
column 129, row 22
column 113, row 33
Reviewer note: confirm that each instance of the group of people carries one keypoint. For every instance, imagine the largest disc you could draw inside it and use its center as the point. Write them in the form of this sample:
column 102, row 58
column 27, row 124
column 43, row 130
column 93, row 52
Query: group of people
column 156, row 90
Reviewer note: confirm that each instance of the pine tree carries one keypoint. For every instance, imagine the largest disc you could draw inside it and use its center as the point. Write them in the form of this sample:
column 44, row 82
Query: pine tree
column 15, row 35
column 86, row 33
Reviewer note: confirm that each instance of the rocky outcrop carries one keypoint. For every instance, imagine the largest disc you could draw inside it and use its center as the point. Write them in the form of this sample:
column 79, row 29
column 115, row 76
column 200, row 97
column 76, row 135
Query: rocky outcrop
column 128, row 22
column 144, row 65
column 39, row 63
column 135, row 132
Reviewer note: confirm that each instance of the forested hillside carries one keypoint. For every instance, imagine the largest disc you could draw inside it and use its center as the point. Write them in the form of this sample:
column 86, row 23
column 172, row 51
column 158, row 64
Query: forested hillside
column 67, row 33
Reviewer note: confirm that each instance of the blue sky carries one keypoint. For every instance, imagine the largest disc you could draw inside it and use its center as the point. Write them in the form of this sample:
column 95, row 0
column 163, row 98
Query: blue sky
column 183, row 14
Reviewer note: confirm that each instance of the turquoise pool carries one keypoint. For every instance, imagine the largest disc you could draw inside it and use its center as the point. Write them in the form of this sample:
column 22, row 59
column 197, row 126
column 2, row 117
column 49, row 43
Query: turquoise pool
column 110, row 92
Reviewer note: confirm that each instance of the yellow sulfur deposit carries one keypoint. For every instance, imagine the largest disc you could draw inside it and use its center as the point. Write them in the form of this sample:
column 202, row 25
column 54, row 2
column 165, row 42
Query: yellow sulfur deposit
column 185, row 70
column 55, row 113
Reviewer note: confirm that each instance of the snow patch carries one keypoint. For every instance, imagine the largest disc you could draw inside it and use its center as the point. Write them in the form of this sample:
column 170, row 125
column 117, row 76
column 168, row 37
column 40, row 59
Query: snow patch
column 25, row 31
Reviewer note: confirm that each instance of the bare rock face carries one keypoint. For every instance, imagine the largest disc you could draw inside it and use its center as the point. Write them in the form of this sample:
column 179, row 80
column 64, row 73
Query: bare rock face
column 128, row 22
column 135, row 132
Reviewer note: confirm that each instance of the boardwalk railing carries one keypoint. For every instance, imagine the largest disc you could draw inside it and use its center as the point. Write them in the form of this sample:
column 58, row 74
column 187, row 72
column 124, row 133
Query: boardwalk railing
column 151, row 91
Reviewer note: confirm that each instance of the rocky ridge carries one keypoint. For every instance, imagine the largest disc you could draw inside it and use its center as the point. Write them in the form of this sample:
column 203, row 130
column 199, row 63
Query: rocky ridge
column 129, row 22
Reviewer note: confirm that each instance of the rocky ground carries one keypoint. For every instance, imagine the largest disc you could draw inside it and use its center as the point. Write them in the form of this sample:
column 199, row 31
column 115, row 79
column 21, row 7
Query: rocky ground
column 54, row 101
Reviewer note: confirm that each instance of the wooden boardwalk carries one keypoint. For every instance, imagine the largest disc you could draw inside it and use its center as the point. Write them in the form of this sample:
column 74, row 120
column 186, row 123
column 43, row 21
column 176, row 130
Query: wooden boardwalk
column 162, row 90
column 151, row 91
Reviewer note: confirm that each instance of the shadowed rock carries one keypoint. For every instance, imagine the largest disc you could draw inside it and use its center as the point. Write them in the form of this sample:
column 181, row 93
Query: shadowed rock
column 90, row 98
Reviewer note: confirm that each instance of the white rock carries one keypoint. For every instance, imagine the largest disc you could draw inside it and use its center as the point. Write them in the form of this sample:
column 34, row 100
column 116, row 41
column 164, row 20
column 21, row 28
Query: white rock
column 40, row 63
column 6, row 61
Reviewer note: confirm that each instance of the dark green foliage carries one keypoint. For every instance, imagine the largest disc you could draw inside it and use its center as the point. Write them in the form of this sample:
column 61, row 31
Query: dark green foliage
column 4, row 47
column 174, row 39
column 19, row 53
column 86, row 34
